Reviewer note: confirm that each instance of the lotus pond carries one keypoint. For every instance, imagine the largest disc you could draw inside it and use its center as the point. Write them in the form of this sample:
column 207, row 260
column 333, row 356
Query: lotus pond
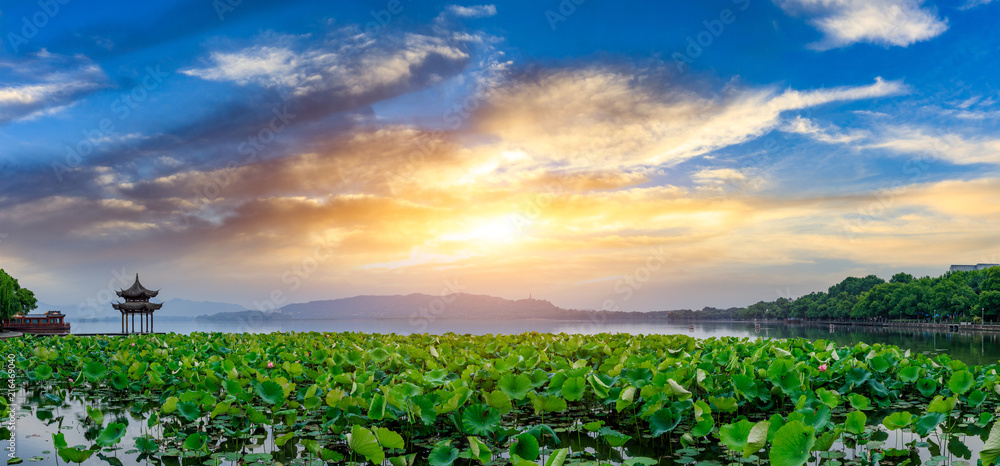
column 317, row 398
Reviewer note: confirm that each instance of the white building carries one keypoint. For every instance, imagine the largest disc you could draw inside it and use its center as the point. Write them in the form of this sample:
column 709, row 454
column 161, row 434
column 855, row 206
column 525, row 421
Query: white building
column 968, row 268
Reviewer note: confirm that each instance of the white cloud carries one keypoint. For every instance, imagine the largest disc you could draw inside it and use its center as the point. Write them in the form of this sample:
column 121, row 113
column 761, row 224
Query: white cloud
column 478, row 11
column 969, row 4
column 805, row 126
column 45, row 84
column 951, row 147
column 884, row 22
column 330, row 66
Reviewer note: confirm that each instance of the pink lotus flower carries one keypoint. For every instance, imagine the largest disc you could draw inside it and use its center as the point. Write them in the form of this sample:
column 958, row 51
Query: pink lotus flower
column 70, row 380
column 822, row 367
column 133, row 343
column 270, row 365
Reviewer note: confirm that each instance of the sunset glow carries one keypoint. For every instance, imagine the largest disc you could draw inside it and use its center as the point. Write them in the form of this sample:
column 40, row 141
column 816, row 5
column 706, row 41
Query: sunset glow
column 495, row 146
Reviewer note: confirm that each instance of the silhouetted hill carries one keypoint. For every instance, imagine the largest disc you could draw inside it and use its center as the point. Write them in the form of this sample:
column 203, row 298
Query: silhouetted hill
column 455, row 306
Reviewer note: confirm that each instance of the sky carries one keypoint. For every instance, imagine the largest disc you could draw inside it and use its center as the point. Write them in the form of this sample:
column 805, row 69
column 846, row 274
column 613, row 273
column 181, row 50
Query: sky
column 620, row 155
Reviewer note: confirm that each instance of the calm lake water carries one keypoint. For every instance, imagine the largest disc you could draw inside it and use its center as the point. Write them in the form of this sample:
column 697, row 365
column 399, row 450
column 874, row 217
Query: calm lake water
column 972, row 348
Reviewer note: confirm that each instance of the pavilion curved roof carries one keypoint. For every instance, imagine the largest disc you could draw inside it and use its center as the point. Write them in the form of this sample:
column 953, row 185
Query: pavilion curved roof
column 137, row 291
column 136, row 306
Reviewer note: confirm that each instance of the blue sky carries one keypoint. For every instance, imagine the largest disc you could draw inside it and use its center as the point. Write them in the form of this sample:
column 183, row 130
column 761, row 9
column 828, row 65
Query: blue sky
column 273, row 152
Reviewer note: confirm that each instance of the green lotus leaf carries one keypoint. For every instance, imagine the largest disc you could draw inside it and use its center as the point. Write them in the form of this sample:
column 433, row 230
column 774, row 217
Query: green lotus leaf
column 515, row 386
column 281, row 440
column 59, row 440
column 94, row 371
column 526, row 447
column 928, row 422
column 991, row 449
column 480, row 420
column 72, row 455
column 856, row 376
column 756, row 439
column 792, row 444
column 119, row 381
column 593, row 426
column 734, row 436
column 909, row 373
column 146, row 444
column 725, row 404
column 745, row 386
column 573, row 388
column 500, row 401
column 855, row 422
column 478, row 451
column 927, row 387
column 363, row 442
column 663, row 421
column 943, row 405
column 43, row 371
column 625, row 398
column 558, row 457
column 829, row 398
column 858, row 401
column 95, row 415
column 189, row 410
column 879, row 363
column 897, row 420
column 613, row 437
column 825, row 441
column 960, row 382
column 376, row 409
column 976, row 398
column 271, row 392
column 111, row 435
column 196, row 441
column 443, row 454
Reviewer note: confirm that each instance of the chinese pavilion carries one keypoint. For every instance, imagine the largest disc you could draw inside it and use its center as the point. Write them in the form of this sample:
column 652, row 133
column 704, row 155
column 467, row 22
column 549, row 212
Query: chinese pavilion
column 137, row 303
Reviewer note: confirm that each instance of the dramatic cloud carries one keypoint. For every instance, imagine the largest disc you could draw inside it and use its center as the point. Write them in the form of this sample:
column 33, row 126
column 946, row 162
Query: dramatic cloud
column 608, row 118
column 883, row 22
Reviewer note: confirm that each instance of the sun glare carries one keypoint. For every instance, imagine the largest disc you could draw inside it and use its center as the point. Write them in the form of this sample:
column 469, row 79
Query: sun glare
column 492, row 230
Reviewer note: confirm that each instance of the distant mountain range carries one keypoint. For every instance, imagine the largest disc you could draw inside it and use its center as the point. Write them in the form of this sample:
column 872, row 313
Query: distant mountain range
column 415, row 307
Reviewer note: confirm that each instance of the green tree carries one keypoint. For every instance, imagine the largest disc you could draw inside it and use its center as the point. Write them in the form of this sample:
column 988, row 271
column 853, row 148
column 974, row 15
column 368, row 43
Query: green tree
column 9, row 304
column 903, row 278
column 27, row 299
column 989, row 304
column 991, row 281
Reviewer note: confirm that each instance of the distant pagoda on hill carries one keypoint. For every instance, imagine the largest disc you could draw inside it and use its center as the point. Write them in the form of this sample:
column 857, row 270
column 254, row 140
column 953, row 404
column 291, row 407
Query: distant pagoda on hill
column 137, row 303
